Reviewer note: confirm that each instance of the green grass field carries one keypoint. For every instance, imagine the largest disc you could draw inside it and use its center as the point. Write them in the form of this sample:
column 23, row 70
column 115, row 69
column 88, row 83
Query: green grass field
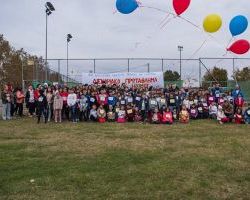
column 201, row 160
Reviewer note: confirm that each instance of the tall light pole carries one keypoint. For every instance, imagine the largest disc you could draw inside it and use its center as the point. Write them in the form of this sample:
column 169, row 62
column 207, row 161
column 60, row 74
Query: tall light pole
column 49, row 8
column 69, row 37
column 180, row 48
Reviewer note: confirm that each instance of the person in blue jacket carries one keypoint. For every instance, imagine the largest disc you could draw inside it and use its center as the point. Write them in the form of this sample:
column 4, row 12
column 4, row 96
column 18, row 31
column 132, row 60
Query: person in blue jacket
column 237, row 91
column 112, row 100
column 216, row 91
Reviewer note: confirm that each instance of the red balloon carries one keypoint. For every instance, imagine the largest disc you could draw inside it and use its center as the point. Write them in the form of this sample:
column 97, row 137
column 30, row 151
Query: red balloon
column 180, row 6
column 239, row 47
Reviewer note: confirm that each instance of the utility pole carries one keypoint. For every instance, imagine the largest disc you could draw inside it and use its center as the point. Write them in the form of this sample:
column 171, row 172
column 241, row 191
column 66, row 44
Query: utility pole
column 180, row 49
column 69, row 37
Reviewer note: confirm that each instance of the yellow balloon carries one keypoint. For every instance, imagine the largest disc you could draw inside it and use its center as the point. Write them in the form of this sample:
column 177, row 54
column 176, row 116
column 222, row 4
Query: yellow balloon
column 212, row 23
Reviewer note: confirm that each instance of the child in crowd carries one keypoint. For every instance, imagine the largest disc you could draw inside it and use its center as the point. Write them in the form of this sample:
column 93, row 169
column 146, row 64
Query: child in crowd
column 130, row 114
column 239, row 101
column 42, row 107
column 101, row 113
column 30, row 100
column 121, row 115
column 221, row 117
column 184, row 115
column 49, row 96
column 213, row 110
column 211, row 99
column 72, row 103
column 193, row 112
column 138, row 117
column 186, row 103
column 238, row 117
column 167, row 116
column 65, row 111
column 93, row 114
column 200, row 110
column 83, row 107
column 111, row 114
column 57, row 106
column 156, row 117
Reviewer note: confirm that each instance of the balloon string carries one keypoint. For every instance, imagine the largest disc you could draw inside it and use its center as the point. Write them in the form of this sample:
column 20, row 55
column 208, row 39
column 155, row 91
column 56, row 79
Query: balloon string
column 232, row 38
column 196, row 51
column 225, row 54
column 165, row 18
column 158, row 9
column 188, row 21
column 169, row 20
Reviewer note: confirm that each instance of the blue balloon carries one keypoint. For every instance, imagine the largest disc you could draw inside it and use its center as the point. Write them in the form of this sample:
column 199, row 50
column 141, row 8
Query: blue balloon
column 238, row 25
column 126, row 6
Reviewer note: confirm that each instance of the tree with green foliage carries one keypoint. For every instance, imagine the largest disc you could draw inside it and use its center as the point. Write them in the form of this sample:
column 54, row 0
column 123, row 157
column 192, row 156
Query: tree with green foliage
column 170, row 75
column 216, row 75
column 242, row 75
column 12, row 60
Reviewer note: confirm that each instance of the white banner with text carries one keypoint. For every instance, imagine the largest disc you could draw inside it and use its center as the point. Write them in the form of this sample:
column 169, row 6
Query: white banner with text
column 154, row 79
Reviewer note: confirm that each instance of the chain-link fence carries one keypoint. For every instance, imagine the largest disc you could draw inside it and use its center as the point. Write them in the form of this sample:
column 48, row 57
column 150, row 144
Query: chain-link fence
column 231, row 65
column 191, row 70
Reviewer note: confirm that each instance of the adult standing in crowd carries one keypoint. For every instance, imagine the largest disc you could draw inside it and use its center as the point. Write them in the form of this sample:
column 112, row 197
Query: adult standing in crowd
column 19, row 101
column 30, row 100
column 6, row 102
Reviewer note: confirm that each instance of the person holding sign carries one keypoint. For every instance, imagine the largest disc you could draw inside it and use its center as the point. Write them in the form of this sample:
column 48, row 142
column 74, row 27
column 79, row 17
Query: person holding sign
column 193, row 112
column 130, row 114
column 184, row 115
column 121, row 115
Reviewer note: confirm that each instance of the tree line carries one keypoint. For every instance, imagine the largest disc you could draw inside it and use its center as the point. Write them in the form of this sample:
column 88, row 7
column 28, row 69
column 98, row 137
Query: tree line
column 12, row 61
column 214, row 75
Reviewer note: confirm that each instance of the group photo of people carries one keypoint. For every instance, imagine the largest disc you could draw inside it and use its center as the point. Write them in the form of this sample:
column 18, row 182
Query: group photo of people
column 119, row 103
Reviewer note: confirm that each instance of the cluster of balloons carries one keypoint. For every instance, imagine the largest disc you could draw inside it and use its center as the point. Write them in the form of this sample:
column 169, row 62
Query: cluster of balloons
column 238, row 25
column 211, row 24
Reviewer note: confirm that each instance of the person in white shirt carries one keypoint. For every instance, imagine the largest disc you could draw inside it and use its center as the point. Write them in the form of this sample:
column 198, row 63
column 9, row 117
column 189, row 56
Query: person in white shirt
column 213, row 111
column 221, row 117
column 72, row 102
column 186, row 103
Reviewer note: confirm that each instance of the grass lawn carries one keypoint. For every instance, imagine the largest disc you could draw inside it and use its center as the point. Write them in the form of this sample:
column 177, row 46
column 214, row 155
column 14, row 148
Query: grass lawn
column 201, row 160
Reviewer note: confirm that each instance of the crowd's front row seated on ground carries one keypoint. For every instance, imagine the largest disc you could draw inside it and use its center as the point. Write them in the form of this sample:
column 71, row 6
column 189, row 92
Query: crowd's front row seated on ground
column 112, row 103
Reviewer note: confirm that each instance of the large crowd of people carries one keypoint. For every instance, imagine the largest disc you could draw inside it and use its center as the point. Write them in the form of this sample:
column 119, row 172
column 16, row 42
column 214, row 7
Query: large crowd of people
column 121, row 104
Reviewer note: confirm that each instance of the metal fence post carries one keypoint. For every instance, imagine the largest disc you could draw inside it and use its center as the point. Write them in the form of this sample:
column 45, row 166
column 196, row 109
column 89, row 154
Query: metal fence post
column 233, row 65
column 94, row 66
column 162, row 65
column 200, row 82
column 128, row 64
column 59, row 69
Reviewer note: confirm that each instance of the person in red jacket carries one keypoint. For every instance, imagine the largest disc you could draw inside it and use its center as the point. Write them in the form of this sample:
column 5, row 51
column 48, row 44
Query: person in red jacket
column 167, row 117
column 239, row 101
column 102, row 98
column 238, row 117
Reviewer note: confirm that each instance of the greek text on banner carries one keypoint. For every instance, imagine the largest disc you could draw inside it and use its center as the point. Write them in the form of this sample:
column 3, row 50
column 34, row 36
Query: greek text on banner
column 154, row 79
